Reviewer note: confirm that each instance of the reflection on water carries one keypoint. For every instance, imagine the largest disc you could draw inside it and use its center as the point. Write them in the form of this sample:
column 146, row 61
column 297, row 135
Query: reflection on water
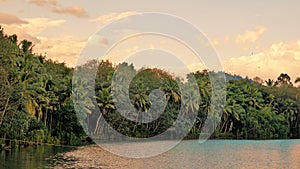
column 237, row 154
column 31, row 157
column 188, row 154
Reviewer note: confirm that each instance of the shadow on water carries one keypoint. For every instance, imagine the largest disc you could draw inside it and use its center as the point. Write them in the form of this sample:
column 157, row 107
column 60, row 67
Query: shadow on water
column 31, row 157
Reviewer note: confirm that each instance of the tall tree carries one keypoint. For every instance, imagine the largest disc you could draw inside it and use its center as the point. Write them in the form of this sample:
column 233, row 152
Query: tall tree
column 284, row 80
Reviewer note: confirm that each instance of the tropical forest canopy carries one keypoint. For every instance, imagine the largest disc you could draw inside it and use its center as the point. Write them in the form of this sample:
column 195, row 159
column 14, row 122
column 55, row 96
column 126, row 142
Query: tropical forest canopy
column 36, row 101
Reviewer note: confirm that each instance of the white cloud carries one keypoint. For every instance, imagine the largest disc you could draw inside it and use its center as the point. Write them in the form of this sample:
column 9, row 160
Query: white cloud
column 250, row 36
column 98, row 40
column 280, row 57
column 105, row 19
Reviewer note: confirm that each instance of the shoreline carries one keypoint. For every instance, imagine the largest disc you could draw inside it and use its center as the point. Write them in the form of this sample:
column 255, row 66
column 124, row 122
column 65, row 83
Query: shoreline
column 18, row 145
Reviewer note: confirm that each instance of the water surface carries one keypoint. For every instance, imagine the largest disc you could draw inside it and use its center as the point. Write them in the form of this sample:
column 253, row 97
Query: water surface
column 238, row 154
column 30, row 157
column 188, row 154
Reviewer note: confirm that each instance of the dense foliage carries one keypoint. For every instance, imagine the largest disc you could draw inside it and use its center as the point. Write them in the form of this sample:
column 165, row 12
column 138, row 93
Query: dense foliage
column 252, row 110
column 35, row 96
column 36, row 101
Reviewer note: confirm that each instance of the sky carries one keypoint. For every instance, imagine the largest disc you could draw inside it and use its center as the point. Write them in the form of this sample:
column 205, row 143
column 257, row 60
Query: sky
column 251, row 38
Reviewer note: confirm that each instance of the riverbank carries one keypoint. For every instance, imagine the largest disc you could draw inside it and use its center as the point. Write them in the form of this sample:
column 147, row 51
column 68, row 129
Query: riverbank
column 93, row 156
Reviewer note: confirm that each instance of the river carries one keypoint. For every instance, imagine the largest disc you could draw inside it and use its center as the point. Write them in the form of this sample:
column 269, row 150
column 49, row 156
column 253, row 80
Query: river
column 30, row 157
column 188, row 154
column 240, row 154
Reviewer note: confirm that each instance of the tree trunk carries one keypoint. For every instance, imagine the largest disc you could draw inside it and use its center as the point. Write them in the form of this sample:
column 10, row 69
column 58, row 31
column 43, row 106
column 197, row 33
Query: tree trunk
column 224, row 123
column 45, row 117
column 97, row 124
column 4, row 111
column 51, row 122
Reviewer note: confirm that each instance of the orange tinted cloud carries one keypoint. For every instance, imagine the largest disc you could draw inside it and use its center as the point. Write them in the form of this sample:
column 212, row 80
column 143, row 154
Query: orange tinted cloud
column 32, row 29
column 110, row 17
column 44, row 2
column 76, row 11
column 63, row 49
column 8, row 19
column 280, row 57
column 250, row 35
column 57, row 8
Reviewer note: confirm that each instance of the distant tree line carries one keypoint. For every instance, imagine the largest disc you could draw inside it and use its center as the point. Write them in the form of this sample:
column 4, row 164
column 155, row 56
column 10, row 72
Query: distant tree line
column 252, row 110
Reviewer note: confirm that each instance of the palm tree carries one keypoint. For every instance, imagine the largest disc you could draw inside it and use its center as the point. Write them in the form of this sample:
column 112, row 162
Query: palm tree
column 26, row 46
column 232, row 111
column 290, row 113
column 171, row 88
column 139, row 97
column 105, row 103
column 270, row 83
column 253, row 96
column 32, row 81
column 191, row 100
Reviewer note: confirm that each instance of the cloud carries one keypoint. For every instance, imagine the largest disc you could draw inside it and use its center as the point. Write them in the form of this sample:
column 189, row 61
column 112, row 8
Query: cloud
column 37, row 25
column 55, row 7
column 217, row 42
column 98, row 40
column 72, row 10
column 250, row 36
column 9, row 19
column 280, row 57
column 63, row 49
column 32, row 29
column 44, row 2
column 105, row 19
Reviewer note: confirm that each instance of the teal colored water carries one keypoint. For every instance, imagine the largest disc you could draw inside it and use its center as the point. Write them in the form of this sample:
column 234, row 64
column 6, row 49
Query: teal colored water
column 237, row 154
column 31, row 157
